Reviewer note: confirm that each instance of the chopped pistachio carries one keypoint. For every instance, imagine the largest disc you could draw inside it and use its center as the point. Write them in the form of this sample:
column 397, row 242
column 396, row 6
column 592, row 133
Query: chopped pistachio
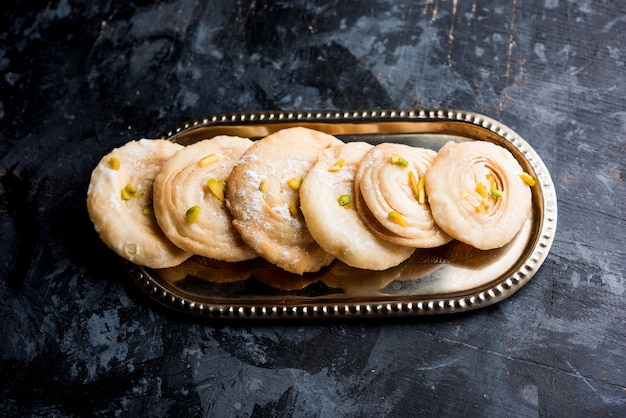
column 481, row 189
column 345, row 200
column 397, row 218
column 193, row 214
column 478, row 208
column 465, row 193
column 495, row 192
column 114, row 163
column 217, row 187
column 263, row 186
column 399, row 160
column 293, row 209
column 129, row 191
column 338, row 164
column 148, row 209
column 295, row 182
column 209, row 159
column 528, row 179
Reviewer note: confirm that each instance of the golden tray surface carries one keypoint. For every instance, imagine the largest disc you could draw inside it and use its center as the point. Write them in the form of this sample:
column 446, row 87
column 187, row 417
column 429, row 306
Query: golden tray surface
column 449, row 279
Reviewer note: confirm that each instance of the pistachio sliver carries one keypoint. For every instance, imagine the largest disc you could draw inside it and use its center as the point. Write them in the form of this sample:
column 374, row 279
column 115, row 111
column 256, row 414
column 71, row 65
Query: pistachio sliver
column 528, row 179
column 421, row 191
column 125, row 195
column 193, row 214
column 217, row 187
column 399, row 160
column 481, row 189
column 114, row 163
column 209, row 159
column 413, row 183
column 130, row 189
column 397, row 218
column 293, row 209
column 338, row 164
column 147, row 209
column 344, row 200
column 495, row 192
column 295, row 182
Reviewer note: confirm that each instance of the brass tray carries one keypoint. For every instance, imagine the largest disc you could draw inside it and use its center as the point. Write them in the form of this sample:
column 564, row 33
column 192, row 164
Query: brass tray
column 449, row 279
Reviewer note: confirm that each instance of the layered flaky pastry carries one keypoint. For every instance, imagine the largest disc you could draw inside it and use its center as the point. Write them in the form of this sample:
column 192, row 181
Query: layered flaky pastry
column 327, row 202
column 477, row 193
column 391, row 197
column 262, row 194
column 189, row 199
column 119, row 201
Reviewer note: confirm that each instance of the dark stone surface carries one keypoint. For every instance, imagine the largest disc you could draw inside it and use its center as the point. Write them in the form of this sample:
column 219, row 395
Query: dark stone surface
column 79, row 78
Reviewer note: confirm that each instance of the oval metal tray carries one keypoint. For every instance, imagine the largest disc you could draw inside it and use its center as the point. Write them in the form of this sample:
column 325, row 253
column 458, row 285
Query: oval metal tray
column 449, row 279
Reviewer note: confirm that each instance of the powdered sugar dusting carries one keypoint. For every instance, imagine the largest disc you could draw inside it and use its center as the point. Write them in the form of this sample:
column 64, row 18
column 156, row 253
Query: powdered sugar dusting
column 253, row 176
column 251, row 210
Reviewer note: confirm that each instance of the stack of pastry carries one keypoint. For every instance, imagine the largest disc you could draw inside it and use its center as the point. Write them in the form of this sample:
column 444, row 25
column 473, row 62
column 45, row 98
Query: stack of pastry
column 300, row 198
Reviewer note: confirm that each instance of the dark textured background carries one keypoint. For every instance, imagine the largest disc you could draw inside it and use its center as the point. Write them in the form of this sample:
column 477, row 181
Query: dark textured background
column 79, row 78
